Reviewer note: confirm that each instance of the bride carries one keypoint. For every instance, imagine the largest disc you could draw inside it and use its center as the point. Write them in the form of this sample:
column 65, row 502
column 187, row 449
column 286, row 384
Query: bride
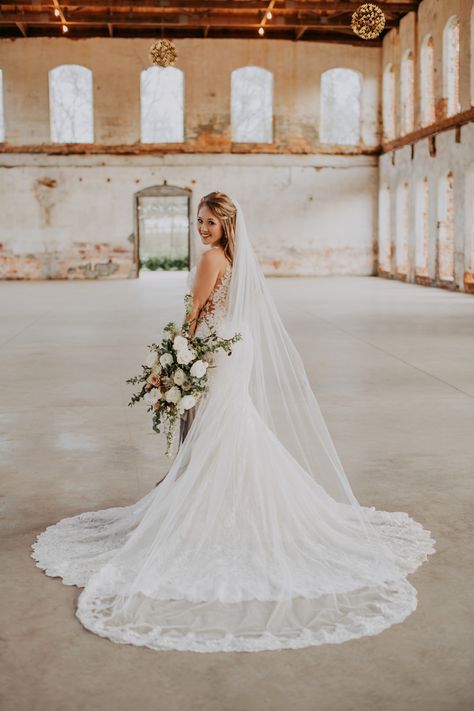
column 254, row 540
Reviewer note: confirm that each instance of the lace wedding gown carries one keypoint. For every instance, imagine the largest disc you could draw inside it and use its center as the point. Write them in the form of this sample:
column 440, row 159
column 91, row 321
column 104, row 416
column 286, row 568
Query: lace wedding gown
column 238, row 548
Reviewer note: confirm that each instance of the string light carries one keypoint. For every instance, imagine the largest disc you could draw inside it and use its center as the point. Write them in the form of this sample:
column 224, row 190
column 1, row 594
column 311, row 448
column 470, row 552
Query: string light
column 268, row 15
column 59, row 13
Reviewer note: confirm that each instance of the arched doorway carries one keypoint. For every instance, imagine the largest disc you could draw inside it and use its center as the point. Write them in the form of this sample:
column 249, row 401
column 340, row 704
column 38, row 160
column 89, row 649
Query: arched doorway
column 162, row 228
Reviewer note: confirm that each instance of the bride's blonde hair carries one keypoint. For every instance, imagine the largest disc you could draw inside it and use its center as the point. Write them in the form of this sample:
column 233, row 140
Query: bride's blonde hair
column 224, row 209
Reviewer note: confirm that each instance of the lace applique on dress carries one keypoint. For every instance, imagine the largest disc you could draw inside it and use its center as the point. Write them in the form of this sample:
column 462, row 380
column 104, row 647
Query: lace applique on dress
column 214, row 310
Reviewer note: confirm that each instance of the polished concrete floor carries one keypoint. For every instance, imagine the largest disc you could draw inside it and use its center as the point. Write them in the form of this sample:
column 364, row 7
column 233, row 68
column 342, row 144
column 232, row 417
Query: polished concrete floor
column 393, row 368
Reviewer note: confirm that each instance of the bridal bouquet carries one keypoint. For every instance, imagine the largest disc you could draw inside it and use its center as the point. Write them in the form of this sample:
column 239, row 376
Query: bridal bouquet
column 174, row 375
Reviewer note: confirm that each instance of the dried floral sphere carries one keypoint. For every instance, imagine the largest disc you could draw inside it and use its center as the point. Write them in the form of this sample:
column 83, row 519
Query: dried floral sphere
column 368, row 21
column 163, row 53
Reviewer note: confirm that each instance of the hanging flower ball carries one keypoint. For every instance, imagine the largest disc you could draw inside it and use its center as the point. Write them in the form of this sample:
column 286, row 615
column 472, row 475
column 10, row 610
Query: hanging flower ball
column 163, row 53
column 368, row 21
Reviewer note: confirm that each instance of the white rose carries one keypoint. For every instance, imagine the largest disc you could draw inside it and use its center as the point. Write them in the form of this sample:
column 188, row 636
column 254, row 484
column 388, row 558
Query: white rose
column 180, row 407
column 185, row 356
column 179, row 377
column 153, row 396
column 152, row 359
column 180, row 342
column 188, row 401
column 198, row 369
column 173, row 395
column 166, row 359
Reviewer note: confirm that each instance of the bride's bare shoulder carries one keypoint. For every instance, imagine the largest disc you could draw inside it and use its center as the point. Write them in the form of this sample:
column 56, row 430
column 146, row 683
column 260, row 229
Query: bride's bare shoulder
column 213, row 258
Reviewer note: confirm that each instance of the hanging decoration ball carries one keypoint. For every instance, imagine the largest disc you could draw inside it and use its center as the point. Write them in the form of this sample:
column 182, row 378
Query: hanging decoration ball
column 368, row 21
column 163, row 53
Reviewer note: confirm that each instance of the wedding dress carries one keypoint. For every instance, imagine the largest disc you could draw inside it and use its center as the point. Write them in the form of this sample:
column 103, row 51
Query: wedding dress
column 254, row 540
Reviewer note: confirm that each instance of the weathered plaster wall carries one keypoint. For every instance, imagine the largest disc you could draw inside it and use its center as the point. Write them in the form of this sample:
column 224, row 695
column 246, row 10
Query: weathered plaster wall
column 451, row 150
column 72, row 216
column 306, row 214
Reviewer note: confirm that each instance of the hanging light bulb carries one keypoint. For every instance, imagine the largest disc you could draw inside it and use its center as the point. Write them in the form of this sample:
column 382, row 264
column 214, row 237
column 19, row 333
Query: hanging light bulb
column 269, row 15
column 65, row 28
column 56, row 12
column 261, row 31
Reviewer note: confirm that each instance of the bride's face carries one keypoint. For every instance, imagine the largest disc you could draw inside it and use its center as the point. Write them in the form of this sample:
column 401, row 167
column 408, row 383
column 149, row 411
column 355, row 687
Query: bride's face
column 209, row 226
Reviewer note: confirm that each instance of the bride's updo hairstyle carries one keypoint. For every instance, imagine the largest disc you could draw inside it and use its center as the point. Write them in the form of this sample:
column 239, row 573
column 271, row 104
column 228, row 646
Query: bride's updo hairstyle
column 224, row 209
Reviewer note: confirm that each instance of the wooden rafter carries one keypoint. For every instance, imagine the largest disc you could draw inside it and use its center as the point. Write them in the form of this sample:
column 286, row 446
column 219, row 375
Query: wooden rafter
column 308, row 20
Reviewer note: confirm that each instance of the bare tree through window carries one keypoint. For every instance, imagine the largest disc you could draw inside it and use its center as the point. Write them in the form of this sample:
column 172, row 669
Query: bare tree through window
column 71, row 105
column 340, row 106
column 252, row 105
column 162, row 105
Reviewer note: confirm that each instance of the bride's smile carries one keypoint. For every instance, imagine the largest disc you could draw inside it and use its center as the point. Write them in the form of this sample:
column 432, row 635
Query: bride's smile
column 209, row 228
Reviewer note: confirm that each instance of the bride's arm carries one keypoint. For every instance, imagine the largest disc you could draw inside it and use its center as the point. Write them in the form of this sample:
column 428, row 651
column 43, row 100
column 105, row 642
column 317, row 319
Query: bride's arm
column 206, row 276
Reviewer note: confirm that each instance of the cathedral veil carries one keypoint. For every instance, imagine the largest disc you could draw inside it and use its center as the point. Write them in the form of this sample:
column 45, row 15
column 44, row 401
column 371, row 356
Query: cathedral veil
column 279, row 385
column 254, row 539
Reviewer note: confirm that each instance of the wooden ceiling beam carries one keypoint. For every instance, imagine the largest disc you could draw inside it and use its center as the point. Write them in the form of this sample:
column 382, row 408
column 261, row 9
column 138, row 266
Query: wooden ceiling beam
column 280, row 6
column 22, row 28
column 182, row 20
column 84, row 32
column 299, row 33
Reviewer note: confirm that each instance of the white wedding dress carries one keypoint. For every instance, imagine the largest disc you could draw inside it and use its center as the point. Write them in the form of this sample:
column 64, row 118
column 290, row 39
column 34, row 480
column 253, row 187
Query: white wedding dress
column 254, row 540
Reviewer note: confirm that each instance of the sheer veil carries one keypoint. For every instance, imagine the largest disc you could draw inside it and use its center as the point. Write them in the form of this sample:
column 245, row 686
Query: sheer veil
column 279, row 386
column 254, row 540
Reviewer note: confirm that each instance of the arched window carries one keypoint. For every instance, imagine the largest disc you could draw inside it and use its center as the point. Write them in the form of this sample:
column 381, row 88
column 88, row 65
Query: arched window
column 451, row 66
column 402, row 229
column 252, row 105
column 446, row 228
column 422, row 227
column 70, row 104
column 162, row 105
column 385, row 231
column 340, row 106
column 427, row 96
column 388, row 102
column 407, row 85
column 2, row 116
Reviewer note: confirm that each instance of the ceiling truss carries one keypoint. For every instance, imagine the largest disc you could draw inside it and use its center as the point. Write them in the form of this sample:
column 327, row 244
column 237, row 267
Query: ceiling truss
column 298, row 20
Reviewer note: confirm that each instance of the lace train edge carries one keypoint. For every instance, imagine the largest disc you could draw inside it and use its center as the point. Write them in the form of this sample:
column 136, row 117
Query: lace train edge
column 402, row 604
